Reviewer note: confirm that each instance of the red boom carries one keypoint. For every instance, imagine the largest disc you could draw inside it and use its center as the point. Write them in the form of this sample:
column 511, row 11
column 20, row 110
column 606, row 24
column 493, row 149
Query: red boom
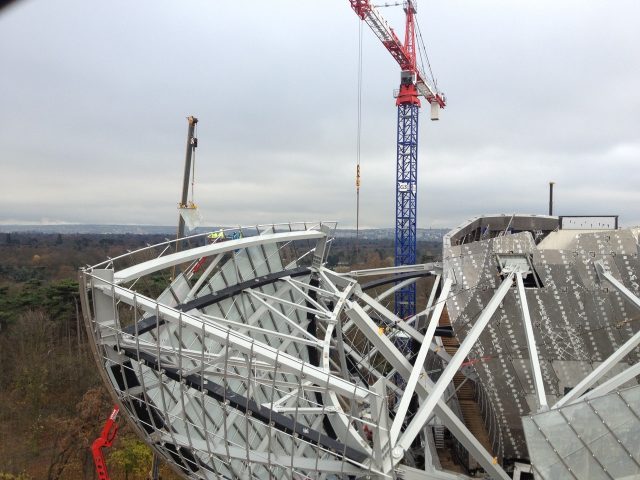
column 405, row 54
column 105, row 439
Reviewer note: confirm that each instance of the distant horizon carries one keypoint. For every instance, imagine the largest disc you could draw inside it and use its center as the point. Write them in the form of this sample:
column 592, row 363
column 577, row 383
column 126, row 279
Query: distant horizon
column 138, row 229
column 154, row 225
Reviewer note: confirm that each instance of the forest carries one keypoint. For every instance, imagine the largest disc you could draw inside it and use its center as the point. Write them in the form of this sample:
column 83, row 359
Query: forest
column 52, row 402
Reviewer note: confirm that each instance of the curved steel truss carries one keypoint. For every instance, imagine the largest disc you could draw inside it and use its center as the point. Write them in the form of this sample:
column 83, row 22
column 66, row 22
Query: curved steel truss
column 243, row 356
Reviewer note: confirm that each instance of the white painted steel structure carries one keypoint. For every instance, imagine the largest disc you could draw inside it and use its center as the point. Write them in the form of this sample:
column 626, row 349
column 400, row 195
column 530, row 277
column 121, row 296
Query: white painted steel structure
column 254, row 360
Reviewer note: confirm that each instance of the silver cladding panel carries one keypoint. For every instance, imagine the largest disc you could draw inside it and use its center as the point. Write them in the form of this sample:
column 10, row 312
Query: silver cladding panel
column 577, row 321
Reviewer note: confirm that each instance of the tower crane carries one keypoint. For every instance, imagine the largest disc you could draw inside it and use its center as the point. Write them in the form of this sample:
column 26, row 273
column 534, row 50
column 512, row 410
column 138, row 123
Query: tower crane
column 413, row 84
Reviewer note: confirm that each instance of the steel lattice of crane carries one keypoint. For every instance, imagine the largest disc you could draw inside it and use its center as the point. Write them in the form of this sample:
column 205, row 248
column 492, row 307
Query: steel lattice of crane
column 413, row 84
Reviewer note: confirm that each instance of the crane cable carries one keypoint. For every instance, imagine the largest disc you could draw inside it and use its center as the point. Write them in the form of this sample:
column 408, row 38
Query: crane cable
column 422, row 50
column 358, row 137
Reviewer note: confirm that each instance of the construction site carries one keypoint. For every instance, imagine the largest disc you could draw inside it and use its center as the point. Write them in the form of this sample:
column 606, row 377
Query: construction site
column 515, row 354
column 258, row 361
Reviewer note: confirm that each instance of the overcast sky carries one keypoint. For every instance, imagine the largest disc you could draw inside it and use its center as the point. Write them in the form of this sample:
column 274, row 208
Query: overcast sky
column 94, row 98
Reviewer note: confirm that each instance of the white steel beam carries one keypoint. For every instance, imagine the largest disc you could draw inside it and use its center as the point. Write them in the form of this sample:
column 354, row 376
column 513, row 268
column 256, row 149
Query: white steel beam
column 613, row 383
column 296, row 306
column 425, row 390
column 417, row 368
column 203, row 278
column 281, row 315
column 303, row 285
column 242, row 343
column 626, row 293
column 404, row 325
column 600, row 371
column 411, row 473
column 442, row 299
column 393, row 289
column 364, row 362
column 306, row 410
column 285, row 461
column 395, row 320
column 177, row 258
column 424, row 267
column 252, row 328
column 426, row 408
column 531, row 344
column 335, row 279
column 432, row 294
column 306, row 296
column 381, row 444
column 432, row 297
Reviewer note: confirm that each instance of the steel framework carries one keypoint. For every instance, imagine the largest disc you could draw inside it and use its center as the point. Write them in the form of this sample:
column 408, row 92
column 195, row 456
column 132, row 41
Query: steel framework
column 259, row 362
column 406, row 202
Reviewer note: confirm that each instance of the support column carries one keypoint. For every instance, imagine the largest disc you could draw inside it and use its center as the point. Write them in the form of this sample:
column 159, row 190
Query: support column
column 418, row 365
column 406, row 198
column 192, row 143
column 426, row 408
column 531, row 344
column 424, row 390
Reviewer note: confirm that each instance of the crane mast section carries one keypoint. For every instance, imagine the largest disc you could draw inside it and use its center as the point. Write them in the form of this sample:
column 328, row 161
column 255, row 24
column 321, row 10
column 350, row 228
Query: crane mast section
column 376, row 22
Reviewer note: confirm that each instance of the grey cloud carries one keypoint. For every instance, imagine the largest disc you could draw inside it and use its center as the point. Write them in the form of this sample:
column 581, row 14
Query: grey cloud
column 94, row 98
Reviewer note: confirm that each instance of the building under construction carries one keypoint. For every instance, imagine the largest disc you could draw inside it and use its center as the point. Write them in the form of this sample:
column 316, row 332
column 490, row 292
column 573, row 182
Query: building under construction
column 257, row 361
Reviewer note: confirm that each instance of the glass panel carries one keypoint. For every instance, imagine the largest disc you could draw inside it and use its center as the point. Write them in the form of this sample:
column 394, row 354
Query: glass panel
column 632, row 397
column 546, row 461
column 629, row 432
column 555, row 428
column 625, row 425
column 558, row 471
column 612, row 409
column 585, row 422
column 629, row 435
column 583, row 465
column 613, row 457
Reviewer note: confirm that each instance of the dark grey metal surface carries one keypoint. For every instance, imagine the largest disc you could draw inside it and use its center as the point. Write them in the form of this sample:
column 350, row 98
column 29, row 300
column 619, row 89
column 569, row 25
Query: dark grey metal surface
column 577, row 321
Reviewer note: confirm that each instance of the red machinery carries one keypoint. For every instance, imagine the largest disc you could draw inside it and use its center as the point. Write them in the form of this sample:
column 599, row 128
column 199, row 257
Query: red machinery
column 105, row 439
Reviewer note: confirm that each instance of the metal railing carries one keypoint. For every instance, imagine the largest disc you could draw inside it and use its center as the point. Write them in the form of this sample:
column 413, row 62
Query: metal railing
column 490, row 420
column 169, row 246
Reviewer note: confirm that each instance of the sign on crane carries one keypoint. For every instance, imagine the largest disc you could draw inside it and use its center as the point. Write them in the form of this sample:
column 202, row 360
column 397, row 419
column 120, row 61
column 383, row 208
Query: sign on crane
column 413, row 84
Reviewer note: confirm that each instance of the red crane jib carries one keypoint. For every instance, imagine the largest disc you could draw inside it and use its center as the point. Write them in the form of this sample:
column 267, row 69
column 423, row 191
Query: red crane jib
column 393, row 44
column 399, row 54
column 361, row 7
column 404, row 55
